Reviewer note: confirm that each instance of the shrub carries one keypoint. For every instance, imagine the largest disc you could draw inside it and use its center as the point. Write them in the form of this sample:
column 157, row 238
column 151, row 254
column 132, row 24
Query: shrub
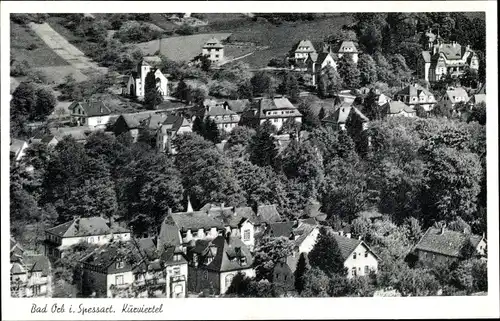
column 20, row 68
column 133, row 31
column 186, row 30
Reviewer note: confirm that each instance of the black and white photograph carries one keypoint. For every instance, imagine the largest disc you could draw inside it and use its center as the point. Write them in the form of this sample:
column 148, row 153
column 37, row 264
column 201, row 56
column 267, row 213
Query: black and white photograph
column 248, row 155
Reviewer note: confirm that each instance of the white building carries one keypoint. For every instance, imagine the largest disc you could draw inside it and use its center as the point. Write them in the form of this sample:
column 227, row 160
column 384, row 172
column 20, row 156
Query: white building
column 225, row 119
column 414, row 95
column 359, row 259
column 92, row 230
column 93, row 114
column 137, row 81
column 456, row 95
column 276, row 110
column 397, row 109
column 214, row 50
column 172, row 126
column 348, row 49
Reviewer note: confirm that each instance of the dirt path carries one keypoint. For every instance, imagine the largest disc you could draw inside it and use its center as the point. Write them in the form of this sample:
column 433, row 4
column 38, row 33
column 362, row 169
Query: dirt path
column 237, row 58
column 64, row 49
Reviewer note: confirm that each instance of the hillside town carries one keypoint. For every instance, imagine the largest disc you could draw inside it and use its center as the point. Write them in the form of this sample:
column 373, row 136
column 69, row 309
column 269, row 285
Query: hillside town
column 351, row 162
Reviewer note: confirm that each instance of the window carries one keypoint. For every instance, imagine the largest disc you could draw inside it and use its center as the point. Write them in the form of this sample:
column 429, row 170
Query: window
column 243, row 261
column 119, row 279
column 367, row 269
column 246, row 235
column 37, row 289
column 177, row 270
column 353, row 271
column 216, row 56
column 354, row 256
column 120, row 264
column 366, row 253
column 285, row 277
column 205, row 275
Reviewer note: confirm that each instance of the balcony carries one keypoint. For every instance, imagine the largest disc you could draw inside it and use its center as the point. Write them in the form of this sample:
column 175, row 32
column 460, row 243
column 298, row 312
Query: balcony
column 178, row 278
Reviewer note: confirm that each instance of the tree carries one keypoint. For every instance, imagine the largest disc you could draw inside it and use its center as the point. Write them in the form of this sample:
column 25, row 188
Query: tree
column 454, row 183
column 316, row 283
column 181, row 90
column 156, row 187
column 263, row 149
column 330, row 82
column 240, row 135
column 416, row 282
column 326, row 255
column 152, row 96
column 478, row 114
column 211, row 131
column 367, row 70
column 290, row 87
column 300, row 272
column 206, row 63
column 261, row 185
column 332, row 145
column 349, row 72
column 263, row 84
column 310, row 119
column 268, row 253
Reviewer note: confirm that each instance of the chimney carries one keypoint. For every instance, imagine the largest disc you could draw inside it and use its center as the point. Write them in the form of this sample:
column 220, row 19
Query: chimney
column 222, row 205
column 443, row 228
column 234, row 210
column 169, row 211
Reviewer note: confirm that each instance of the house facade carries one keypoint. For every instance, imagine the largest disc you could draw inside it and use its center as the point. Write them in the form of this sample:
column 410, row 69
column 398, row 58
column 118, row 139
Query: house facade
column 93, row 114
column 213, row 264
column 137, row 81
column 172, row 126
column 92, row 230
column 225, row 119
column 316, row 63
column 214, row 50
column 30, row 275
column 339, row 118
column 414, row 95
column 441, row 245
column 441, row 59
column 277, row 110
column 348, row 49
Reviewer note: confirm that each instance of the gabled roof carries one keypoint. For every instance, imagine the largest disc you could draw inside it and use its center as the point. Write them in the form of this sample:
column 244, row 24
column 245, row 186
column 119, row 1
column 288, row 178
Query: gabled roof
column 219, row 111
column 304, row 43
column 91, row 108
column 347, row 47
column 227, row 256
column 297, row 231
column 106, row 255
column 195, row 221
column 268, row 214
column 346, row 245
column 37, row 263
column 447, row 242
column 85, row 226
column 213, row 43
column 16, row 145
column 167, row 256
column 451, row 51
column 413, row 91
column 453, row 93
column 79, row 133
column 175, row 122
column 266, row 104
column 396, row 107
column 341, row 115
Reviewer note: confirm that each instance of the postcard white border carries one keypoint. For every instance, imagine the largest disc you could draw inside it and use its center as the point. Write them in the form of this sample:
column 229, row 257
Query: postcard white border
column 328, row 308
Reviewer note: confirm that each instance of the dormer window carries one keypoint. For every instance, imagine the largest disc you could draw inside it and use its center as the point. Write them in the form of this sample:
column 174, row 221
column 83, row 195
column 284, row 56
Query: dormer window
column 120, row 265
column 243, row 260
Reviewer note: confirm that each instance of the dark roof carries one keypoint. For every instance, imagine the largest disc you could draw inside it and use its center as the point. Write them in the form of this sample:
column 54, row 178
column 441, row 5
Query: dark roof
column 341, row 114
column 449, row 243
column 304, row 43
column 105, row 256
column 86, row 226
column 451, row 51
column 346, row 245
column 396, row 107
column 91, row 108
column 175, row 122
column 297, row 232
column 37, row 263
column 228, row 252
column 219, row 111
column 281, row 229
column 16, row 145
column 413, row 91
column 195, row 220
column 169, row 235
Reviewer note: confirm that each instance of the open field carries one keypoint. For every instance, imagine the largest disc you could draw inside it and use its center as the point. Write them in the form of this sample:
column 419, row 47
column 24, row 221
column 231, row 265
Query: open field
column 281, row 38
column 22, row 38
column 180, row 48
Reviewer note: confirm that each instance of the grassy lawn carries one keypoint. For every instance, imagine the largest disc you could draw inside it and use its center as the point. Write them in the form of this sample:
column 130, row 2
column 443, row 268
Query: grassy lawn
column 281, row 38
column 40, row 55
